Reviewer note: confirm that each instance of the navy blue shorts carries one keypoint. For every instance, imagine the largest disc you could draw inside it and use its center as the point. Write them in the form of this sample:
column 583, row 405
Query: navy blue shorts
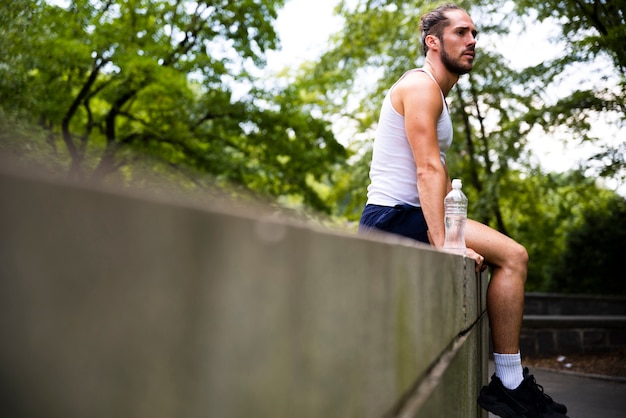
column 405, row 220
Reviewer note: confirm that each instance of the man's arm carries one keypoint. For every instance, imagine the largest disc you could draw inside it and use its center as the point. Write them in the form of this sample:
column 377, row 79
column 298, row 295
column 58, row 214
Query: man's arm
column 418, row 98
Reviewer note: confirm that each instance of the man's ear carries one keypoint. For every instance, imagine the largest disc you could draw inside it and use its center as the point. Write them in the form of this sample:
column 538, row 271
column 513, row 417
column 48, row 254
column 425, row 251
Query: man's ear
column 432, row 42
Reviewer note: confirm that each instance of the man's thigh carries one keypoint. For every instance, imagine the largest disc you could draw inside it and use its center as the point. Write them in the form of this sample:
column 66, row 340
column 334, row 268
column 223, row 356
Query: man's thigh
column 491, row 244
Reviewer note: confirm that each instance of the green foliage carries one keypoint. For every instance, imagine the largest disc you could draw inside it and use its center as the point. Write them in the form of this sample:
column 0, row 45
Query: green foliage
column 349, row 191
column 113, row 82
column 592, row 260
column 589, row 28
column 542, row 210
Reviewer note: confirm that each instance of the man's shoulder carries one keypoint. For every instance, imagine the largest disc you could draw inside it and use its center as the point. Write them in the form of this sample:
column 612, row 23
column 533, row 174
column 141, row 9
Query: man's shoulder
column 417, row 85
column 418, row 90
column 418, row 79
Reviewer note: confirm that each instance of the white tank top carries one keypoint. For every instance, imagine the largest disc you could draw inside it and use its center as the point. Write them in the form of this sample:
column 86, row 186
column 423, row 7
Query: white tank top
column 393, row 172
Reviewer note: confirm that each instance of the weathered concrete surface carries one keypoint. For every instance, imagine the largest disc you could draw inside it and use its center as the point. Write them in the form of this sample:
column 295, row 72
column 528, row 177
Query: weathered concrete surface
column 118, row 305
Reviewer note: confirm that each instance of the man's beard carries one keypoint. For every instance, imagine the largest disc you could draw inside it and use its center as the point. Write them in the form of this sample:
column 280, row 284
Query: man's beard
column 454, row 66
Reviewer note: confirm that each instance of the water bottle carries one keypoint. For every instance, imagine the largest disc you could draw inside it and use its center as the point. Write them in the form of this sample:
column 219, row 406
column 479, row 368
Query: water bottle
column 455, row 216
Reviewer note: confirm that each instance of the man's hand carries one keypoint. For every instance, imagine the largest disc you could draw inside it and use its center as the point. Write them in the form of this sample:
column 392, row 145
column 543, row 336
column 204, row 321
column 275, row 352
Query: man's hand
column 479, row 259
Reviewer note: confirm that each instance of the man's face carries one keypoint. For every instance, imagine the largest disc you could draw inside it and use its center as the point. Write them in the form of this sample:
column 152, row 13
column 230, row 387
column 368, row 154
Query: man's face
column 458, row 43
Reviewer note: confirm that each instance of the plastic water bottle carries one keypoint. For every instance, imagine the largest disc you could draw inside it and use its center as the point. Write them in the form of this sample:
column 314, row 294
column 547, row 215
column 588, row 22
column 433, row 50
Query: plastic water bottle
column 455, row 210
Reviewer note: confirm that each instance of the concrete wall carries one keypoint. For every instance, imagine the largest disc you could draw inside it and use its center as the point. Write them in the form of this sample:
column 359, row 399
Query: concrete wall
column 571, row 324
column 537, row 303
column 116, row 305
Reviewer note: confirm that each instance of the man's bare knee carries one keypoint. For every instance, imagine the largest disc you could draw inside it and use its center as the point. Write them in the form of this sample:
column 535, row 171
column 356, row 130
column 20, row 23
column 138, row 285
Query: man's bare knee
column 517, row 259
column 520, row 254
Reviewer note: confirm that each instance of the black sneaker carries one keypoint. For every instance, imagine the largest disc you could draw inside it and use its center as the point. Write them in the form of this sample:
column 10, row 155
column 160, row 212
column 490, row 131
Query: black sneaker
column 547, row 400
column 526, row 401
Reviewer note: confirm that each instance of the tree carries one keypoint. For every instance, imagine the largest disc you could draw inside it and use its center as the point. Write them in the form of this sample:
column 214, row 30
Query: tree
column 591, row 262
column 589, row 28
column 114, row 81
column 542, row 210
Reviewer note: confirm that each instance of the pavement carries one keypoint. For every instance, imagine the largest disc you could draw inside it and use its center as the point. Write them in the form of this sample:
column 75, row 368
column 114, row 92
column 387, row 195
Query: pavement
column 585, row 396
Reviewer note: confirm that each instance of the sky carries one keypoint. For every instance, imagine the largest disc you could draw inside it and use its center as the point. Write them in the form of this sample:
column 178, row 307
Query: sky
column 305, row 25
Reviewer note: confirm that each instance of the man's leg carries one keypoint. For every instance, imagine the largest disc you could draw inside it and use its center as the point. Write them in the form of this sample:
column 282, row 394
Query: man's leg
column 505, row 295
column 513, row 391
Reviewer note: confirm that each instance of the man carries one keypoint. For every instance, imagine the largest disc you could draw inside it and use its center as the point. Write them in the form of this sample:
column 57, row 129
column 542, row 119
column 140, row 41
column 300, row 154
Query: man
column 409, row 181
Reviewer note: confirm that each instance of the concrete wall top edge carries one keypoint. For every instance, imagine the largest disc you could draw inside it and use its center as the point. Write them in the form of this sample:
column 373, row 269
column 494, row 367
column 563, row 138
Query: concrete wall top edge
column 219, row 204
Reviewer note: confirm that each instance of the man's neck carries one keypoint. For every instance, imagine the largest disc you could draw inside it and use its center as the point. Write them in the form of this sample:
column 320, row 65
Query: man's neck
column 444, row 78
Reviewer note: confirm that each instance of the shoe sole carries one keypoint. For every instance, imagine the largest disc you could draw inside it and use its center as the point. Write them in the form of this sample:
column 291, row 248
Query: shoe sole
column 499, row 409
column 503, row 411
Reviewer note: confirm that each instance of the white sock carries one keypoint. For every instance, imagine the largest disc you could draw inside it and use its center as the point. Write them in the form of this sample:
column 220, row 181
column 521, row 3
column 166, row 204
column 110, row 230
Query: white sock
column 509, row 369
